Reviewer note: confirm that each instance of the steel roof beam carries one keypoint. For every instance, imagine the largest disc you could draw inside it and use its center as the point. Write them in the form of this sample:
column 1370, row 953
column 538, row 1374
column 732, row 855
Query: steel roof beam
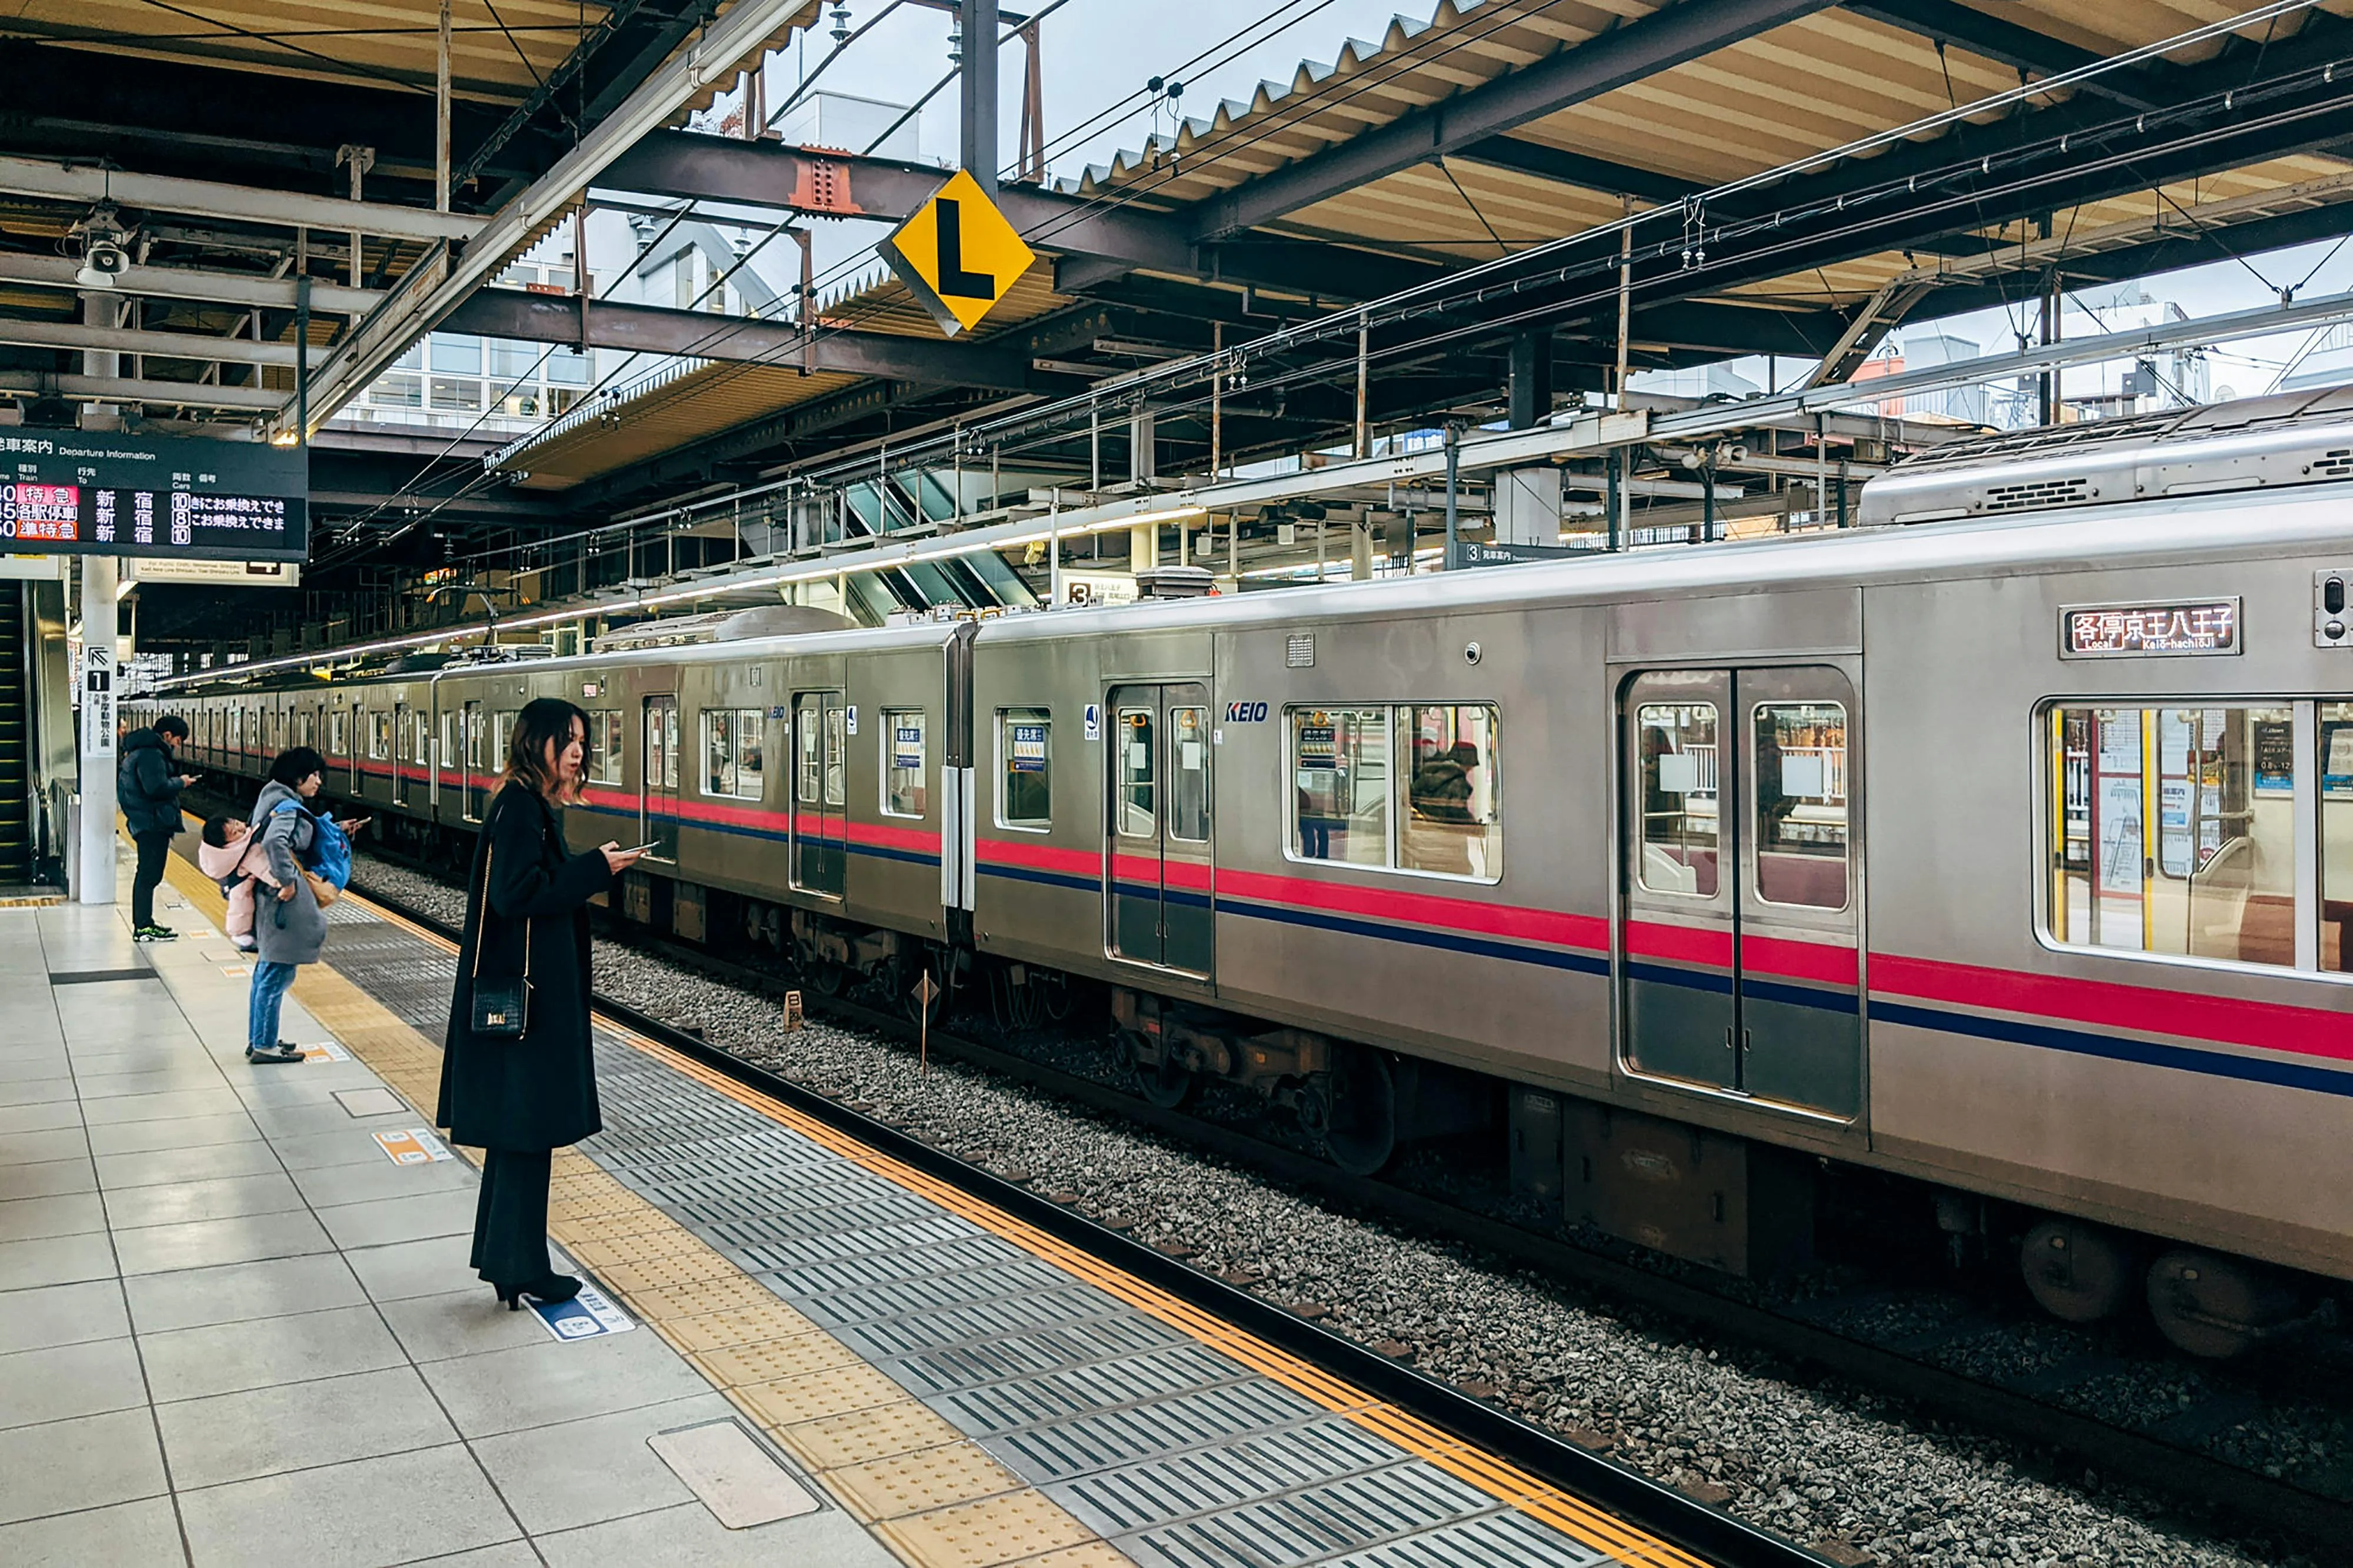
column 84, row 185
column 239, row 289
column 1661, row 41
column 2008, row 43
column 1524, row 157
column 154, row 345
column 702, row 334
column 123, row 389
column 694, row 166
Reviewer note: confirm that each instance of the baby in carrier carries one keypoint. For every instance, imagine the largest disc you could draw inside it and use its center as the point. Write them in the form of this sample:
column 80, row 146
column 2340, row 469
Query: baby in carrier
column 231, row 855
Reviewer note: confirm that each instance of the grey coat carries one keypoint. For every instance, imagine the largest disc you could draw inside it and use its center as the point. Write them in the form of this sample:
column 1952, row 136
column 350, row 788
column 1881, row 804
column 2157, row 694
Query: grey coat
column 292, row 932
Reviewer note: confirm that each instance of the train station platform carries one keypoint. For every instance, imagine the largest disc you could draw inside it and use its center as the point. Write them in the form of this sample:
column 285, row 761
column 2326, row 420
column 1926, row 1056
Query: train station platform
column 237, row 1325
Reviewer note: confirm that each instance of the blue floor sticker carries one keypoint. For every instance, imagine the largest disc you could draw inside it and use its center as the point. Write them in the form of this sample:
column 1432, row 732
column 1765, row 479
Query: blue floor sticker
column 585, row 1317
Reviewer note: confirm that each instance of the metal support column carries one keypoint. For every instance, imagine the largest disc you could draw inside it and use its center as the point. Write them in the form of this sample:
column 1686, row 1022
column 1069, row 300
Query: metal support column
column 441, row 114
column 1529, row 393
column 93, row 864
column 978, row 144
column 1453, row 472
column 1364, row 447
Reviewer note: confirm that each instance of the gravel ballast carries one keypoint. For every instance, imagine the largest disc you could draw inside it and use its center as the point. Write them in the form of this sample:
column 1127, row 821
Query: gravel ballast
column 1824, row 1465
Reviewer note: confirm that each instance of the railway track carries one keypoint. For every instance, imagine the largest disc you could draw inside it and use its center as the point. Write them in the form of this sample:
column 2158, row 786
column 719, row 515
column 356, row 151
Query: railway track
column 2266, row 1506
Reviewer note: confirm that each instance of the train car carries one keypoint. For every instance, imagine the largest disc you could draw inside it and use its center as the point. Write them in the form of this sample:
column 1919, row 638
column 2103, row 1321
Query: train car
column 2006, row 847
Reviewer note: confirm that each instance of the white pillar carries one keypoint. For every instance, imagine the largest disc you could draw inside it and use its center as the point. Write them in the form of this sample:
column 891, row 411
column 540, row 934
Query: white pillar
column 93, row 875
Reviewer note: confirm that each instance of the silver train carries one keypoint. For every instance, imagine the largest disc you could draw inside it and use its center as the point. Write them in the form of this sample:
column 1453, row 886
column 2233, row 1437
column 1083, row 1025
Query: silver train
column 2005, row 846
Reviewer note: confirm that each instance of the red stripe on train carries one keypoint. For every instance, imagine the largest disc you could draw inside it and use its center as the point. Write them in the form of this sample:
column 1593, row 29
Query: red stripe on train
column 2264, row 1025
column 1555, row 926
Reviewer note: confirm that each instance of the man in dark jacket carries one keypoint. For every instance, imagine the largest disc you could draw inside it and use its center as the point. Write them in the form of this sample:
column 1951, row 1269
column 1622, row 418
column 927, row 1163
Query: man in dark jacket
column 149, row 793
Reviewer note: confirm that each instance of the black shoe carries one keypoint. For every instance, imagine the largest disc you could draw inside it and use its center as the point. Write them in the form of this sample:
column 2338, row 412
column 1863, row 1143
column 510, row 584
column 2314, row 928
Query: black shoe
column 155, row 933
column 280, row 1052
column 549, row 1287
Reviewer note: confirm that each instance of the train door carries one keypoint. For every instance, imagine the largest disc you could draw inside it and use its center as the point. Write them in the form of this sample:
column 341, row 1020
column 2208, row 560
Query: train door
column 404, row 746
column 820, row 792
column 1739, row 941
column 472, row 772
column 658, row 779
column 1158, row 837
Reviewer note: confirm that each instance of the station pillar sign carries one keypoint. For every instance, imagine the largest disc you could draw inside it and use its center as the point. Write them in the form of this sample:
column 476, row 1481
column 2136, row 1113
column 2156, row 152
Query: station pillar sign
column 162, row 498
column 957, row 254
column 97, row 698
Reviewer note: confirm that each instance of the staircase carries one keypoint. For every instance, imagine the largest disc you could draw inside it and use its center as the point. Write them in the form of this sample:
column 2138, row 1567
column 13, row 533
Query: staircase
column 15, row 740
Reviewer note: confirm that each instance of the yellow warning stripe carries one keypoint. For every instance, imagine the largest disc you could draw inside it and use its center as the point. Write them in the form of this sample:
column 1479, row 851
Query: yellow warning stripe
column 1499, row 1479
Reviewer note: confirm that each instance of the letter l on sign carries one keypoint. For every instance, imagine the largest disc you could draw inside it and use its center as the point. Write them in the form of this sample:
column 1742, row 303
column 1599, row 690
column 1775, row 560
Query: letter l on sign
column 957, row 254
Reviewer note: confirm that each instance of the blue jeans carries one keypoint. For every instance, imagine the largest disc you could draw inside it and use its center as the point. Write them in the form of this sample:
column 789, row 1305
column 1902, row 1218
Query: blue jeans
column 269, row 984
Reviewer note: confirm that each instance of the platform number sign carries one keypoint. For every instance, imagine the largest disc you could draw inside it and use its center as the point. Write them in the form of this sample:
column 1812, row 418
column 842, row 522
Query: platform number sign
column 97, row 700
column 957, row 254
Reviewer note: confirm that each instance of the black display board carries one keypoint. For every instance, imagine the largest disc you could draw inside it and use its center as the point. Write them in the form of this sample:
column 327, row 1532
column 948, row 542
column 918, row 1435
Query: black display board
column 97, row 492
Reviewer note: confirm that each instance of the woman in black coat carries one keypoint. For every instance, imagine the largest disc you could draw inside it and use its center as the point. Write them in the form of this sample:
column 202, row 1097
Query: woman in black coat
column 527, row 914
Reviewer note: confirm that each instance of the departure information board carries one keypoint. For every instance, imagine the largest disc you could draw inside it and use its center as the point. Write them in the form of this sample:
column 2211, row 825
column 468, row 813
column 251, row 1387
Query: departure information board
column 98, row 492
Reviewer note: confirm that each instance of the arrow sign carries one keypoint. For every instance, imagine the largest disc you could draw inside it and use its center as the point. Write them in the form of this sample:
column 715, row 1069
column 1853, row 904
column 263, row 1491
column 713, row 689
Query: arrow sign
column 957, row 254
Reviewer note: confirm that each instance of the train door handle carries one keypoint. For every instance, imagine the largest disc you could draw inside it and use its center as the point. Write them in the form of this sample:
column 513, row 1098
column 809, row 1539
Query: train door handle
column 1727, row 1036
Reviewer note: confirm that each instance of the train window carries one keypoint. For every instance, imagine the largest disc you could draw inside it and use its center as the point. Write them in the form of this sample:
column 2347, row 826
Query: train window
column 1340, row 784
column 2336, row 832
column 1679, row 799
column 1025, row 754
column 837, row 751
column 1137, row 810
column 303, row 728
column 379, row 735
column 605, row 746
column 1189, row 774
column 1450, row 824
column 420, row 739
column 502, row 736
column 904, row 792
column 2173, row 830
column 1801, row 805
column 237, row 729
column 809, row 777
column 339, row 733
column 732, row 763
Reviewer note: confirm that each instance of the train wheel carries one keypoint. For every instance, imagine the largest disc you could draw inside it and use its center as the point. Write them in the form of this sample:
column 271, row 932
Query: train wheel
column 1359, row 1115
column 2076, row 1271
column 2220, row 1307
column 1168, row 1083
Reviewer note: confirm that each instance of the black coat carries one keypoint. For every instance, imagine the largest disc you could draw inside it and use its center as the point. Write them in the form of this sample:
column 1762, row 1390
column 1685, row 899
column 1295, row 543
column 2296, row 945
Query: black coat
column 146, row 786
column 540, row 1091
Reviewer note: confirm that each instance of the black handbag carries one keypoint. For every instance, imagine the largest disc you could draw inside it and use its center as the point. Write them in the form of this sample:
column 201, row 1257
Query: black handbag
column 500, row 1009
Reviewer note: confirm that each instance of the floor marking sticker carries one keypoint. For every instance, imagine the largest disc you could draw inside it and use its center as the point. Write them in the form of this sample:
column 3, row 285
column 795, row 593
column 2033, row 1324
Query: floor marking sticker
column 412, row 1146
column 328, row 1053
column 585, row 1317
column 237, row 971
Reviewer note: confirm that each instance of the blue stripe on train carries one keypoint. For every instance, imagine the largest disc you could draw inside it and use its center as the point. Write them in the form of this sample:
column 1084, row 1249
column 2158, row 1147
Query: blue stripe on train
column 2115, row 1047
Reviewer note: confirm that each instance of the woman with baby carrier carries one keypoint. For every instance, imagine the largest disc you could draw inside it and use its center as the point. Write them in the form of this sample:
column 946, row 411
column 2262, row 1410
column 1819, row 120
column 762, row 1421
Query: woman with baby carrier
column 289, row 925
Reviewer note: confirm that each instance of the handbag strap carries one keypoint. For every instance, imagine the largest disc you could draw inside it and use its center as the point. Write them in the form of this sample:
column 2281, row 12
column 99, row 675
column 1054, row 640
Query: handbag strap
column 489, row 851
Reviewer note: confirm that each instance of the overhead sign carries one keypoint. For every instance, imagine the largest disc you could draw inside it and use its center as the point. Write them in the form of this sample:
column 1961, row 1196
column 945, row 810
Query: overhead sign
column 244, row 574
column 2125, row 631
column 97, row 700
column 957, row 254
column 102, row 492
column 1472, row 553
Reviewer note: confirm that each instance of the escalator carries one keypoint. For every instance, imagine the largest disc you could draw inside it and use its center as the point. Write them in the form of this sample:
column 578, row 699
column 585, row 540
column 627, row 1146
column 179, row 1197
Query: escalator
column 16, row 740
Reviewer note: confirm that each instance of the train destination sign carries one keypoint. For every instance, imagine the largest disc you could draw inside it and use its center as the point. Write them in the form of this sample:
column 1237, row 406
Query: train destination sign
column 102, row 492
column 2127, row 631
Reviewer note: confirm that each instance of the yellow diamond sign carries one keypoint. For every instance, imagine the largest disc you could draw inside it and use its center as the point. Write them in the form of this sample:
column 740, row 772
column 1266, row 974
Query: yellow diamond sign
column 957, row 254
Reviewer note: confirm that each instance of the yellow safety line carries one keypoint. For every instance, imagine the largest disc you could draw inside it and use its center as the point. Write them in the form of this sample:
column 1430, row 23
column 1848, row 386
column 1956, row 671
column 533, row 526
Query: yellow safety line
column 1499, row 1479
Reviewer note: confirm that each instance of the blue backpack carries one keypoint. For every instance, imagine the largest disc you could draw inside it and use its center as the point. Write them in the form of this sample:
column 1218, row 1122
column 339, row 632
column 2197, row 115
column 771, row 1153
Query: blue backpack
column 330, row 855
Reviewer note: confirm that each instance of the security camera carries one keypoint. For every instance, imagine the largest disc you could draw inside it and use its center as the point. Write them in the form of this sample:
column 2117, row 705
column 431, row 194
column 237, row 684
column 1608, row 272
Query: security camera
column 105, row 253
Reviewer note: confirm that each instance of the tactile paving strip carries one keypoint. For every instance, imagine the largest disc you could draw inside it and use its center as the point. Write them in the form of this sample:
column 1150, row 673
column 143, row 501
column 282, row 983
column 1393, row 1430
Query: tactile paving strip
column 1174, row 1451
column 1179, row 1452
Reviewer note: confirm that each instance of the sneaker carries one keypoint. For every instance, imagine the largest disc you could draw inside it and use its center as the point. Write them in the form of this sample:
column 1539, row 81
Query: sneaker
column 282, row 1052
column 155, row 933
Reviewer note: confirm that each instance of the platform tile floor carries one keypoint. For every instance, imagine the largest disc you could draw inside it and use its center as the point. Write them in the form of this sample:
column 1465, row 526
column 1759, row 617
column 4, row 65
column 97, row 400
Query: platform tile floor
column 233, row 1331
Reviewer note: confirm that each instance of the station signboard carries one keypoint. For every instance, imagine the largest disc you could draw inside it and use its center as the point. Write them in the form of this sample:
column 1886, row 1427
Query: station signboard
column 166, row 498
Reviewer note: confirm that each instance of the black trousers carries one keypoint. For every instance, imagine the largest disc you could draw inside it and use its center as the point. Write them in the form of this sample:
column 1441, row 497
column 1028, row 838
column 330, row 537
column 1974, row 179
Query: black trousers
column 155, row 851
column 511, row 1220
